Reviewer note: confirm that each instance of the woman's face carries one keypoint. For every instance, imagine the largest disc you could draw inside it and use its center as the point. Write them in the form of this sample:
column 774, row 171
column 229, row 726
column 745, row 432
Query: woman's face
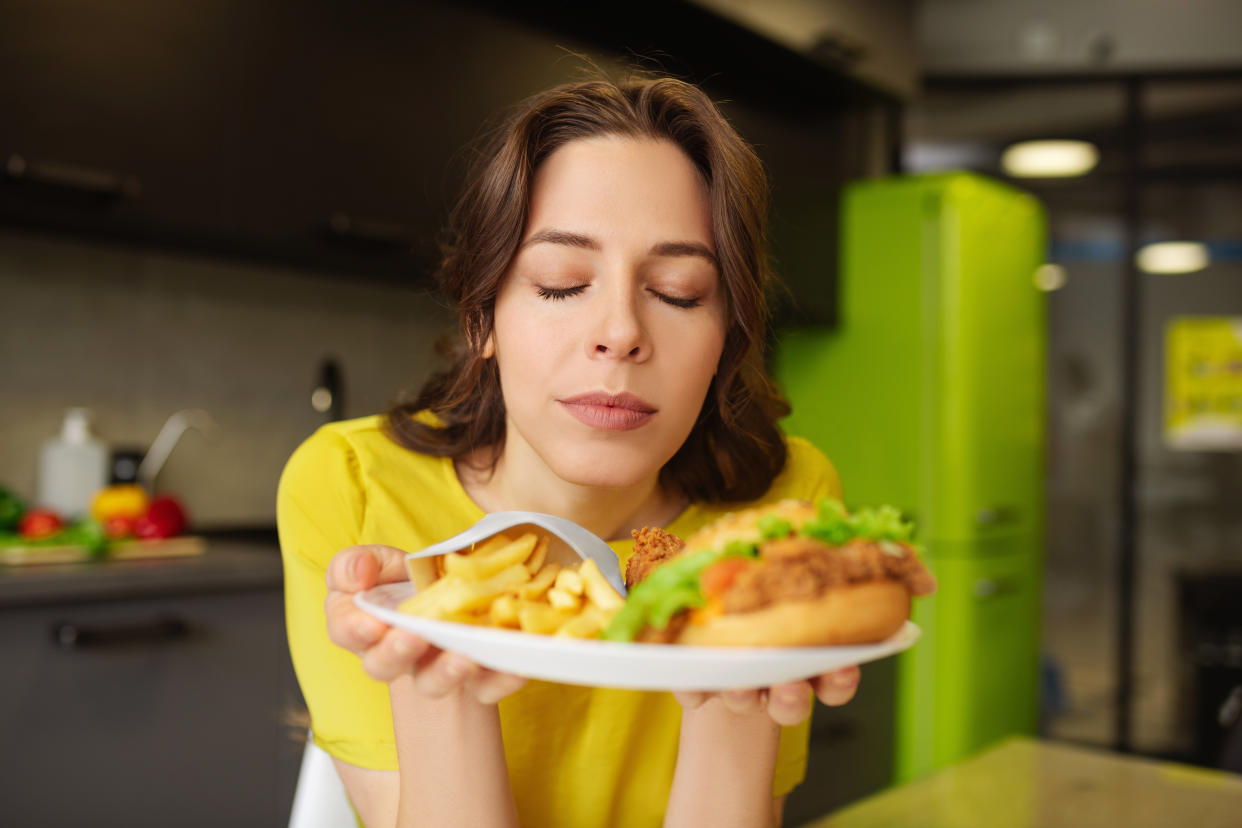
column 611, row 321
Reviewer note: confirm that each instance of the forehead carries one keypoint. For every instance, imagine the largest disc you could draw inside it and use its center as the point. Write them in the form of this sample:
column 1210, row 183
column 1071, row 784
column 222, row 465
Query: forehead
column 619, row 189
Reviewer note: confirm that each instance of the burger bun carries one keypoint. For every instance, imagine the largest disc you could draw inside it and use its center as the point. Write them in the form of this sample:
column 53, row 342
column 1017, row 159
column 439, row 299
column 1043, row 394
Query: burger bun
column 863, row 613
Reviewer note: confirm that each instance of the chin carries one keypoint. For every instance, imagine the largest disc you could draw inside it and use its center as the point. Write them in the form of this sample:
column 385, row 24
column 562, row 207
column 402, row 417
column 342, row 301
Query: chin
column 618, row 469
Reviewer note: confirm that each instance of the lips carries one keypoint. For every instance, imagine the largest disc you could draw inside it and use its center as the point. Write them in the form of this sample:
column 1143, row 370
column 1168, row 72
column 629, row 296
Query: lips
column 610, row 412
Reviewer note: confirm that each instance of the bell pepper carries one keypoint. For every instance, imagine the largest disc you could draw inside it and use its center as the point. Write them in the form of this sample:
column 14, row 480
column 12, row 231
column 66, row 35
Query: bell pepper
column 164, row 518
column 126, row 500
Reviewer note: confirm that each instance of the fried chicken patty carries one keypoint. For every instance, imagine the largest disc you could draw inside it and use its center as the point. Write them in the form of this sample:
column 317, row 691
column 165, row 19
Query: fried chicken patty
column 652, row 547
column 800, row 569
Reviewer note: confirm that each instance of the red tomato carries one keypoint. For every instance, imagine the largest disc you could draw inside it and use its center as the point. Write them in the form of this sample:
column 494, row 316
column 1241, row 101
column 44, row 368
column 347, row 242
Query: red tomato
column 39, row 523
column 118, row 527
column 720, row 576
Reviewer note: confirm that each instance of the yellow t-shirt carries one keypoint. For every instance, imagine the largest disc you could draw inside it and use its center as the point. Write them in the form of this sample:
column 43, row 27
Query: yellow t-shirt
column 576, row 755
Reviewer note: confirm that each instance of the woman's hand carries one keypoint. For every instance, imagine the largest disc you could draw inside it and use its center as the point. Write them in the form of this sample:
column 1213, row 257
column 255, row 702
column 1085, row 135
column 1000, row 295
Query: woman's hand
column 389, row 653
column 786, row 704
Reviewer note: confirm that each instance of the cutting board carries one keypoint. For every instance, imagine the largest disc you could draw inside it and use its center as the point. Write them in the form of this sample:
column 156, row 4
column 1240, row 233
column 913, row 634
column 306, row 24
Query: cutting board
column 181, row 547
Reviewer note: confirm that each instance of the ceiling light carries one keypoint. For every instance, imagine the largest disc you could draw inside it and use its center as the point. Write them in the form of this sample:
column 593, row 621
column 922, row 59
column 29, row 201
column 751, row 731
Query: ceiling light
column 1049, row 159
column 1172, row 257
column 1050, row 277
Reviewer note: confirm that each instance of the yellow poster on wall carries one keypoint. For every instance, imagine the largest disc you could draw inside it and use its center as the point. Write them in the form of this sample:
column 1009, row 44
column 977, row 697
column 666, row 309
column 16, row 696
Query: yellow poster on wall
column 1203, row 383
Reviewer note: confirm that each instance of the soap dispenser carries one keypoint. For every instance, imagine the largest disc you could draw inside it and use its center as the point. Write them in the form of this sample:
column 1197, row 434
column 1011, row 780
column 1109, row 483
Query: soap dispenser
column 72, row 467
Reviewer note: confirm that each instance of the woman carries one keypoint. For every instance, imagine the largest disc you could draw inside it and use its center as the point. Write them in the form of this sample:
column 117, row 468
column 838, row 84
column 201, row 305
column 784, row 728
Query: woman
column 607, row 260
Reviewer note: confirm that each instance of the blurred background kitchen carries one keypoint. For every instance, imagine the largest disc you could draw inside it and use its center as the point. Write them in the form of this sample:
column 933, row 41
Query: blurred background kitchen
column 218, row 230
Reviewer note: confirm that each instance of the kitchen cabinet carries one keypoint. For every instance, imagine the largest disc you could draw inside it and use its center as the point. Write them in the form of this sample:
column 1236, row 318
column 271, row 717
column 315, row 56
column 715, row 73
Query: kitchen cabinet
column 222, row 127
column 151, row 709
column 320, row 133
column 356, row 116
column 122, row 119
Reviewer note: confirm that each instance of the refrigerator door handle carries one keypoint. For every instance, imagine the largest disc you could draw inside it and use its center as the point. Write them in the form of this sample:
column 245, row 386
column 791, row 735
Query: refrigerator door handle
column 995, row 587
column 997, row 514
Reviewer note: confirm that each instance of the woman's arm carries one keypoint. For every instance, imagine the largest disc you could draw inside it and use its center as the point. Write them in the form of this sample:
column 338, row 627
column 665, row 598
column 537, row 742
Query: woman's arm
column 373, row 793
column 452, row 759
column 729, row 742
column 445, row 719
column 724, row 770
column 453, row 768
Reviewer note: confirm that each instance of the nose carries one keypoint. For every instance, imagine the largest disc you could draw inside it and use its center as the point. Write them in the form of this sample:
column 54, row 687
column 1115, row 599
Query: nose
column 619, row 332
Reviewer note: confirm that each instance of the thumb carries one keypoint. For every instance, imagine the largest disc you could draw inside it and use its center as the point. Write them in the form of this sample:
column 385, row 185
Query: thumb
column 357, row 568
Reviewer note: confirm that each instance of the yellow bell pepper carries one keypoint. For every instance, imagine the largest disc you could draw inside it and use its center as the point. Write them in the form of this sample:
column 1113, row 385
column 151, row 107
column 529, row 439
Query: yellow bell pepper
column 123, row 500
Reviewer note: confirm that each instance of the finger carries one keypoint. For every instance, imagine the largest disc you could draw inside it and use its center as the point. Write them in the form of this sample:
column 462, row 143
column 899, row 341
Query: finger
column 744, row 702
column 490, row 686
column 837, row 688
column 356, row 568
column 690, row 699
column 446, row 673
column 789, row 704
column 350, row 627
column 396, row 653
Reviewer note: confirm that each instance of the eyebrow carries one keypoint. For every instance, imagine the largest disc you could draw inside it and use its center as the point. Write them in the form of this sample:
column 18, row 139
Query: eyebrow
column 668, row 248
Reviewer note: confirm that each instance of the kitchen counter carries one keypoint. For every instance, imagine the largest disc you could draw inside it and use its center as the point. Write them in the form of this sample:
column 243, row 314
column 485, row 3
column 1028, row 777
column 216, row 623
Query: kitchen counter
column 1024, row 782
column 227, row 565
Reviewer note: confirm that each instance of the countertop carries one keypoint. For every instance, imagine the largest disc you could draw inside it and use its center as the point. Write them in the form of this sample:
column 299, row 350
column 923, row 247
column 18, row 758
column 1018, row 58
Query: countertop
column 227, row 565
column 1033, row 784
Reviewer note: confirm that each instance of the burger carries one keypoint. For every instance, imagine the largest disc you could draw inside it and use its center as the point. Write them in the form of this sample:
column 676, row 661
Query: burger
column 787, row 574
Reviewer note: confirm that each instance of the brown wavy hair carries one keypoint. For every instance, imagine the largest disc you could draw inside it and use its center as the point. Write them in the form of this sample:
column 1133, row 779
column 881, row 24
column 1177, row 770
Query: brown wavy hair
column 735, row 449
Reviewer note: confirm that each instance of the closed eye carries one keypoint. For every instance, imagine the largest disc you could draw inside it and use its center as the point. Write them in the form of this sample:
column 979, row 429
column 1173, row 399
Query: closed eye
column 560, row 294
column 557, row 294
column 676, row 302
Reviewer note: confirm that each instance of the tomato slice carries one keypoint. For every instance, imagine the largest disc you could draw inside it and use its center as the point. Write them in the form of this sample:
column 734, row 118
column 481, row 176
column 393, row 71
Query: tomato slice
column 718, row 577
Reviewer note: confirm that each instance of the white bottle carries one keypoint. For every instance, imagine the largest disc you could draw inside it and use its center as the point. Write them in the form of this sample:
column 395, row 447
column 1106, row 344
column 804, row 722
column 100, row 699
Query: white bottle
column 72, row 467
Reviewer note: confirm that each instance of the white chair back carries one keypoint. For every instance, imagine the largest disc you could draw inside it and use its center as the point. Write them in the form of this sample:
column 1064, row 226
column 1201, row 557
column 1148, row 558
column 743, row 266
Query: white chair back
column 320, row 801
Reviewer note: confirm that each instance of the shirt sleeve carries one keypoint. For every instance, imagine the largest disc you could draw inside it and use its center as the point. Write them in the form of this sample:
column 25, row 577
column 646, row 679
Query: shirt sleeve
column 320, row 504
column 820, row 478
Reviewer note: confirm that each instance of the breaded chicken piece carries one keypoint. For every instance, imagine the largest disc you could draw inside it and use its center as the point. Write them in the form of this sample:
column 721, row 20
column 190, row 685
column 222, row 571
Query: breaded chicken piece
column 652, row 546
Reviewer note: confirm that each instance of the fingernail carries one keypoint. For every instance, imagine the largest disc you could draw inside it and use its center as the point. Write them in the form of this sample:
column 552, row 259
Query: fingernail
column 456, row 668
column 363, row 629
column 355, row 569
column 402, row 645
column 845, row 679
column 788, row 697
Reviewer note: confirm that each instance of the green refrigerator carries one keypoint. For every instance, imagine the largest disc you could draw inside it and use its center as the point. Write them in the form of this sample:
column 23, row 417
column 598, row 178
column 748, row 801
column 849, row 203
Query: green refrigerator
column 929, row 394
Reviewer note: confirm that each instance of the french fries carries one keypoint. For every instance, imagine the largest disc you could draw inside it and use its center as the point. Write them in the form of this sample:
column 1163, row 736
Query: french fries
column 598, row 590
column 570, row 581
column 538, row 585
column 509, row 582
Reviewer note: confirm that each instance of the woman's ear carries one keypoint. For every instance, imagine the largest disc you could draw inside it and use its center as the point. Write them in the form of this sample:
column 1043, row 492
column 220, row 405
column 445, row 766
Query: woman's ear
column 489, row 347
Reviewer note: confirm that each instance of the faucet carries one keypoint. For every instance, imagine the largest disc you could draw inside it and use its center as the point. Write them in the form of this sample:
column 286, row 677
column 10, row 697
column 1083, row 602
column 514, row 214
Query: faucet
column 175, row 426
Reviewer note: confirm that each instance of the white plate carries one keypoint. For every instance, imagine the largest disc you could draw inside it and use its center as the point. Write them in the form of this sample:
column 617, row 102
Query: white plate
column 615, row 664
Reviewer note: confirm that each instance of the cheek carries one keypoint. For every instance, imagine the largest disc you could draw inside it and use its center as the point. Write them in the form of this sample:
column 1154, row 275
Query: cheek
column 528, row 347
column 695, row 359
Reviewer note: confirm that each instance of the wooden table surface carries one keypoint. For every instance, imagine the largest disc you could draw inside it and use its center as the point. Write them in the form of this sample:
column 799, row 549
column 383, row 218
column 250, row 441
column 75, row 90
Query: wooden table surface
column 1025, row 783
